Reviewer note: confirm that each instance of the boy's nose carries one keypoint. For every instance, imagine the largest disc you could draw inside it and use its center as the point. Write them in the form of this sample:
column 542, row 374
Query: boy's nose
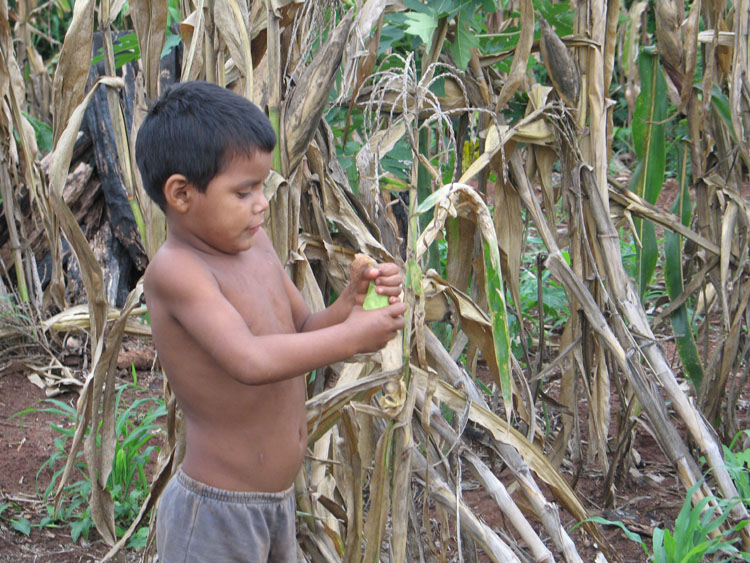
column 261, row 204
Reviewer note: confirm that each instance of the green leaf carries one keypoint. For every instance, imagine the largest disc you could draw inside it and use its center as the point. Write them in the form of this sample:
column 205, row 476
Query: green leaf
column 720, row 104
column 648, row 141
column 659, row 554
column 21, row 525
column 632, row 536
column 42, row 132
column 80, row 528
column 170, row 43
column 138, row 540
column 493, row 284
column 422, row 25
column 673, row 279
column 465, row 40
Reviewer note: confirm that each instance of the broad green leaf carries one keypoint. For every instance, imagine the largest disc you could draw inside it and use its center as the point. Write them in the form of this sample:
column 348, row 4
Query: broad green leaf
column 422, row 25
column 43, row 133
column 648, row 140
column 462, row 198
column 418, row 6
column 493, row 281
column 721, row 105
column 78, row 528
column 21, row 525
column 465, row 40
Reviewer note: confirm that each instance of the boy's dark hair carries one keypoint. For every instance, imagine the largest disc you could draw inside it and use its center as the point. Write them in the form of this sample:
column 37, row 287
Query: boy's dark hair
column 195, row 129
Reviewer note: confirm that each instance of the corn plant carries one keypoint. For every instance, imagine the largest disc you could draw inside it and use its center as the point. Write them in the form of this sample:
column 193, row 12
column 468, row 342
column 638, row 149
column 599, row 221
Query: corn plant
column 694, row 538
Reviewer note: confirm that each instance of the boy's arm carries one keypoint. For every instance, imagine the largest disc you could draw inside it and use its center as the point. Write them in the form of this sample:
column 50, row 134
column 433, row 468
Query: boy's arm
column 184, row 289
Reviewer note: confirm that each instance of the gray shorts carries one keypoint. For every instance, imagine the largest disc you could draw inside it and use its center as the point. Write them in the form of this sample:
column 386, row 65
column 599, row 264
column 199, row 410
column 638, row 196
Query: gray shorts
column 198, row 523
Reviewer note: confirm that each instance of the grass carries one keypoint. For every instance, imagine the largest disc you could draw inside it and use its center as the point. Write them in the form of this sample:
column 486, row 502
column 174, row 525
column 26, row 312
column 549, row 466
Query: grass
column 690, row 541
column 22, row 525
column 696, row 534
column 136, row 428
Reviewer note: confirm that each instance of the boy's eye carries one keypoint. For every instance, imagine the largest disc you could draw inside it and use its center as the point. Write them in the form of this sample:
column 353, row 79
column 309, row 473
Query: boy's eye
column 249, row 190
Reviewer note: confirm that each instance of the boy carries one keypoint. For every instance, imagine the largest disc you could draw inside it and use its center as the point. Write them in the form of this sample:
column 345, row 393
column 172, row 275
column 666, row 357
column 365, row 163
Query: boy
column 233, row 334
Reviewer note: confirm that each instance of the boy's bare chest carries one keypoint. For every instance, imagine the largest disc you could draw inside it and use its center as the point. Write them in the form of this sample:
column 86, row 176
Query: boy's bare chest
column 255, row 287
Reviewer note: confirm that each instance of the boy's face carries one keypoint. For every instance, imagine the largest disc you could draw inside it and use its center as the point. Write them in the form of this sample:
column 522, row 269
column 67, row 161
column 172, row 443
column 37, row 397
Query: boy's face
column 230, row 212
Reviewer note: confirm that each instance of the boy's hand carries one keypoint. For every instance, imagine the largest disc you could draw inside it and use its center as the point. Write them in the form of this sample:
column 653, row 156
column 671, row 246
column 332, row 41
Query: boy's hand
column 387, row 279
column 374, row 329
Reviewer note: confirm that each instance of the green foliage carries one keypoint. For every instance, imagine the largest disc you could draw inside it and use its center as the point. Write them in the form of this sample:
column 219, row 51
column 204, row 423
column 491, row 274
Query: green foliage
column 558, row 14
column 556, row 312
column 52, row 19
column 135, row 427
column 720, row 105
column 690, row 541
column 21, row 525
column 738, row 465
column 683, row 329
column 424, row 18
column 632, row 536
column 648, row 140
column 126, row 48
column 42, row 132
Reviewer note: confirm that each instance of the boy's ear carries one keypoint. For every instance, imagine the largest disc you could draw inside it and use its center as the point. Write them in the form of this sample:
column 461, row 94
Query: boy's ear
column 178, row 193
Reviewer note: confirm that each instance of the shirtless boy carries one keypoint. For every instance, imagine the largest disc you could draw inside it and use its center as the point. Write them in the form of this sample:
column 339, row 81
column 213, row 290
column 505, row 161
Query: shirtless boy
column 233, row 333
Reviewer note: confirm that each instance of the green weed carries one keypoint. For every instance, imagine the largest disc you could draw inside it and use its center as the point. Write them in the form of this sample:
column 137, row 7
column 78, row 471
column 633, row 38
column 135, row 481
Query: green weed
column 738, row 465
column 690, row 541
column 136, row 427
column 21, row 525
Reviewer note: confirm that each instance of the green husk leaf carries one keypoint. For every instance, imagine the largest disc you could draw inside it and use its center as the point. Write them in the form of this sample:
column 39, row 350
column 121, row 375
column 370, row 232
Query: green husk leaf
column 374, row 300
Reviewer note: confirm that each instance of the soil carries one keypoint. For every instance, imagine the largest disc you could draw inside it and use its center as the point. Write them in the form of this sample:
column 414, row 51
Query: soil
column 648, row 497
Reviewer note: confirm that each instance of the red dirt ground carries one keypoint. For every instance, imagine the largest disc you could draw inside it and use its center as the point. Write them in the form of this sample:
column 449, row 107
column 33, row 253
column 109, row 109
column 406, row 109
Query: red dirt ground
column 24, row 449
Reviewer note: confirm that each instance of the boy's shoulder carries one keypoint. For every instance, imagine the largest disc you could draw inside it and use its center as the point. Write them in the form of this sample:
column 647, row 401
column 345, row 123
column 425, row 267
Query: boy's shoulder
column 173, row 266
